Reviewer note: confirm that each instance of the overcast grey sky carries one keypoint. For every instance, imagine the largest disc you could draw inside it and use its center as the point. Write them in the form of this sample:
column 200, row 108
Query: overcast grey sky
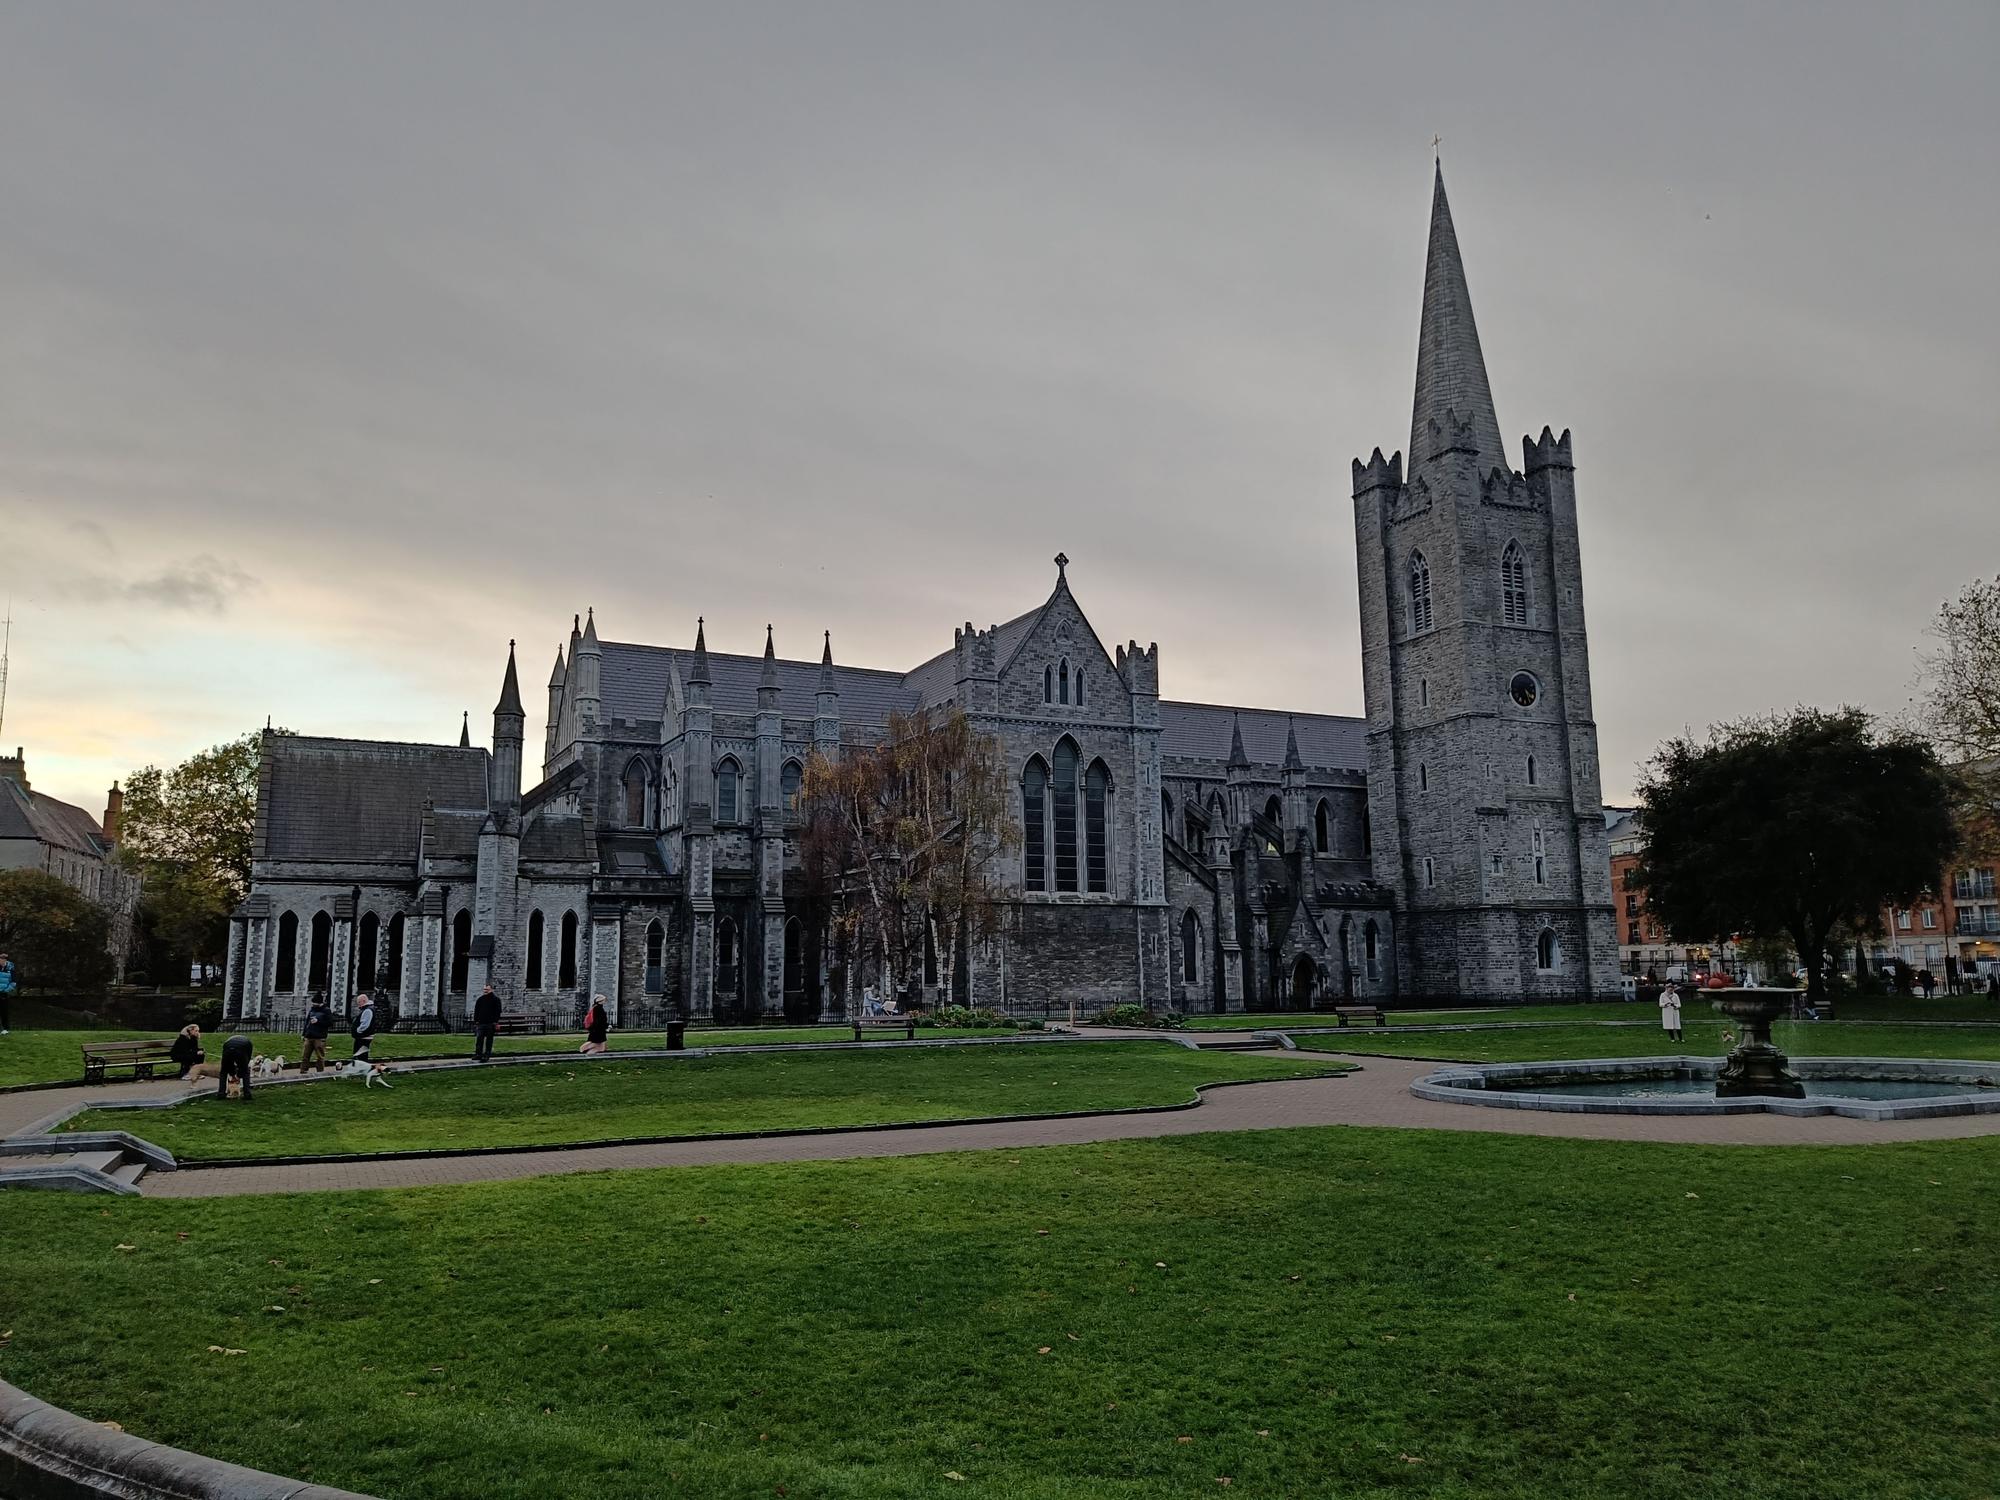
column 338, row 344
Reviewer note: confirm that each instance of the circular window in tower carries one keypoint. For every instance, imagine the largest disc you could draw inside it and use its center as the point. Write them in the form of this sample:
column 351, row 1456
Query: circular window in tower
column 1524, row 689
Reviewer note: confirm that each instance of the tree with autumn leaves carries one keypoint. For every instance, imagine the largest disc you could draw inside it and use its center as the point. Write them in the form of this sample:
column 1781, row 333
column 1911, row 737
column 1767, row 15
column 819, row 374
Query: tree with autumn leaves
column 908, row 834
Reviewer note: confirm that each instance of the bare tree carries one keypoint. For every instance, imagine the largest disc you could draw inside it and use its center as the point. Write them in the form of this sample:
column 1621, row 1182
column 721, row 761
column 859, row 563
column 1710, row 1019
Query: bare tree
column 911, row 831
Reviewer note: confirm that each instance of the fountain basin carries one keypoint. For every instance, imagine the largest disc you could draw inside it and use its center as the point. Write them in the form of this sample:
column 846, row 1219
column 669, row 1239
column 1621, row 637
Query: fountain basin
column 1859, row 1088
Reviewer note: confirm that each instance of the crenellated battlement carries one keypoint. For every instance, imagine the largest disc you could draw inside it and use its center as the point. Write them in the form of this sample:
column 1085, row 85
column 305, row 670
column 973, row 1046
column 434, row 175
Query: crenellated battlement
column 1511, row 491
column 1452, row 433
column 1139, row 669
column 1378, row 473
column 1546, row 452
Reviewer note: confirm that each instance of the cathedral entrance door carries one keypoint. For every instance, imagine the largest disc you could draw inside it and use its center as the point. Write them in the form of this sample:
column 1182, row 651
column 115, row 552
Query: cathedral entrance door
column 1303, row 979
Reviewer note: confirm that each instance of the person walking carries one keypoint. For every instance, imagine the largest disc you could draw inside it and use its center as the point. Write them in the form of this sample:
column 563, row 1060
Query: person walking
column 596, row 1027
column 1670, row 1011
column 235, row 1064
column 1927, row 981
column 362, row 1028
column 485, row 1021
column 7, row 983
column 318, row 1026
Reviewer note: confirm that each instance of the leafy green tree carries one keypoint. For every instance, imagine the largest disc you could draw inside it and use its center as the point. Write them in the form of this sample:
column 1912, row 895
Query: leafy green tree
column 57, row 938
column 189, row 831
column 1793, row 826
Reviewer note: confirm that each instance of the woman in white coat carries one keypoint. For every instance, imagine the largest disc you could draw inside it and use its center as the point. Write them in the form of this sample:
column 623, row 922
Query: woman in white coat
column 1670, row 1012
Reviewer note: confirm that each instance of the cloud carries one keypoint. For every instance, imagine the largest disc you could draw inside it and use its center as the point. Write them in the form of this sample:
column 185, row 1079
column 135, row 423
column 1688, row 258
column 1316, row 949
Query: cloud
column 202, row 585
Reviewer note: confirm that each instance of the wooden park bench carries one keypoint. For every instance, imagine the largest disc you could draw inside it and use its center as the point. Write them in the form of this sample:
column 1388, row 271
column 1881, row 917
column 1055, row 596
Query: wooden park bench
column 907, row 1024
column 520, row 1023
column 1349, row 1014
column 141, row 1057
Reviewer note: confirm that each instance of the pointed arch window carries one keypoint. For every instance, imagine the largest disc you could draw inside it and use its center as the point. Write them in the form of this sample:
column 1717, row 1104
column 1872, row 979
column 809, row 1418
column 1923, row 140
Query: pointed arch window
column 634, row 786
column 535, row 924
column 1322, row 829
column 288, row 954
column 1513, row 586
column 392, row 977
column 319, row 963
column 1371, row 942
column 1420, row 594
column 461, row 951
column 364, row 967
column 1065, row 813
column 1546, row 951
column 1049, row 683
column 795, row 956
column 1190, row 948
column 566, row 963
column 656, row 952
column 671, row 797
column 1062, row 680
column 727, row 777
column 1079, row 687
column 790, row 780
column 1274, row 810
column 1034, row 812
column 1531, row 770
column 1096, row 862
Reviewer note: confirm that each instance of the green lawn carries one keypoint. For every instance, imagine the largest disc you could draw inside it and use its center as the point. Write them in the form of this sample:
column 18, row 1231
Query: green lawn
column 55, row 1056
column 1954, row 1008
column 1353, row 1313
column 1703, row 1036
column 548, row 1103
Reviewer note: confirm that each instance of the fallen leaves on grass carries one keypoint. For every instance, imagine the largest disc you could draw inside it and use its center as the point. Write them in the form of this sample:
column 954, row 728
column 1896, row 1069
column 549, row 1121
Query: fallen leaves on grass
column 218, row 1349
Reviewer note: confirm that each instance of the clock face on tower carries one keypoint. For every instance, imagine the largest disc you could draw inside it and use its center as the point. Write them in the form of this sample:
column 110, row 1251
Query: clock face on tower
column 1524, row 689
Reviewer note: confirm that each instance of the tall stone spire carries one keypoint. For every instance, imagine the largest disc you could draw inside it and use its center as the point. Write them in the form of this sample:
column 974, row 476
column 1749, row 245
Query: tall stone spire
column 510, row 688
column 1451, row 370
column 767, row 680
column 465, row 730
column 826, row 663
column 1236, row 755
column 1292, row 760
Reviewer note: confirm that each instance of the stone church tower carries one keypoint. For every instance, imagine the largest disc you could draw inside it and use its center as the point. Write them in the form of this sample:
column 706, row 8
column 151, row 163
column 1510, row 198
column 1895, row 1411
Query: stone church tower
column 1483, row 792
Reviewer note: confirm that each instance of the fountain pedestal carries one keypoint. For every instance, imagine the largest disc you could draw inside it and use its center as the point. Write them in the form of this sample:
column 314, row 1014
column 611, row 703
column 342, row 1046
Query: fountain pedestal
column 1756, row 1067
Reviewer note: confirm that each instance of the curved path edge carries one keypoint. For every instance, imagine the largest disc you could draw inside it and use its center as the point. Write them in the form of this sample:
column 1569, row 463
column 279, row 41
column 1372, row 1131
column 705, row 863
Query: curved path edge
column 47, row 1453
column 1376, row 1092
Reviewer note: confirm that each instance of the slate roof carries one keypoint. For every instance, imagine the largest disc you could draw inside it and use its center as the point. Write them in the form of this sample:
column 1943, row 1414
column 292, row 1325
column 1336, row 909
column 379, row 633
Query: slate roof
column 37, row 816
column 632, row 682
column 934, row 681
column 554, row 837
column 360, row 800
column 1201, row 731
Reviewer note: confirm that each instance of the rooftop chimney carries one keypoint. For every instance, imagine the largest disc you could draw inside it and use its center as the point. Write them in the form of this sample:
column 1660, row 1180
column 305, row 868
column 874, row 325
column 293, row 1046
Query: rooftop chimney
column 114, row 813
column 14, row 768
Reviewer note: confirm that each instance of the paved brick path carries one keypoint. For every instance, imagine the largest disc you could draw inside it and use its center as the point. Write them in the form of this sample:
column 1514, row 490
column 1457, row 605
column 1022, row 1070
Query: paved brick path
column 1378, row 1094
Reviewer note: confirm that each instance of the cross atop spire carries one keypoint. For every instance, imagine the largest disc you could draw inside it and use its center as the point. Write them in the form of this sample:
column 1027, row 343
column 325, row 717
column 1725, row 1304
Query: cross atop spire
column 1451, row 369
column 698, row 672
column 1062, row 567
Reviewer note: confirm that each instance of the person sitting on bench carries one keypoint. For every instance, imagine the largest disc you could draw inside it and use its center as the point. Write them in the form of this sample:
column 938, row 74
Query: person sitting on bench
column 186, row 1051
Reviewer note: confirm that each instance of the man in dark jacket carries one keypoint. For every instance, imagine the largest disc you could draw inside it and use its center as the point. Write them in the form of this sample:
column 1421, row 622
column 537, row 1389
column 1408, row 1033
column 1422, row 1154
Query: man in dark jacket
column 362, row 1028
column 235, row 1064
column 319, row 1023
column 9, row 980
column 485, row 1021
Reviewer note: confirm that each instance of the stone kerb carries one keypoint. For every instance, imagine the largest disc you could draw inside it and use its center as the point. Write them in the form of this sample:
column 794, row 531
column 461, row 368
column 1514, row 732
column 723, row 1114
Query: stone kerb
column 47, row 1453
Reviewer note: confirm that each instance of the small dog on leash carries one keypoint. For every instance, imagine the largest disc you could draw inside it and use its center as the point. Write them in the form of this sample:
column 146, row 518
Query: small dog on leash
column 372, row 1072
column 267, row 1067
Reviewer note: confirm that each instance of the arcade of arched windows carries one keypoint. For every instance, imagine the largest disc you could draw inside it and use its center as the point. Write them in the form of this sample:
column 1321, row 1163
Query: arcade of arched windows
column 1066, row 817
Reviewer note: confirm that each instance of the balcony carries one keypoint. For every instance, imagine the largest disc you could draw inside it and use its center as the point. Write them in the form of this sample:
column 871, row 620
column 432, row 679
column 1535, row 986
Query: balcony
column 1971, row 924
column 1979, row 888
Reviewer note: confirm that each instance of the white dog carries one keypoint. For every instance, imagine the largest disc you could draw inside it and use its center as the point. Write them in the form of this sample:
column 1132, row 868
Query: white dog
column 373, row 1072
column 267, row 1067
